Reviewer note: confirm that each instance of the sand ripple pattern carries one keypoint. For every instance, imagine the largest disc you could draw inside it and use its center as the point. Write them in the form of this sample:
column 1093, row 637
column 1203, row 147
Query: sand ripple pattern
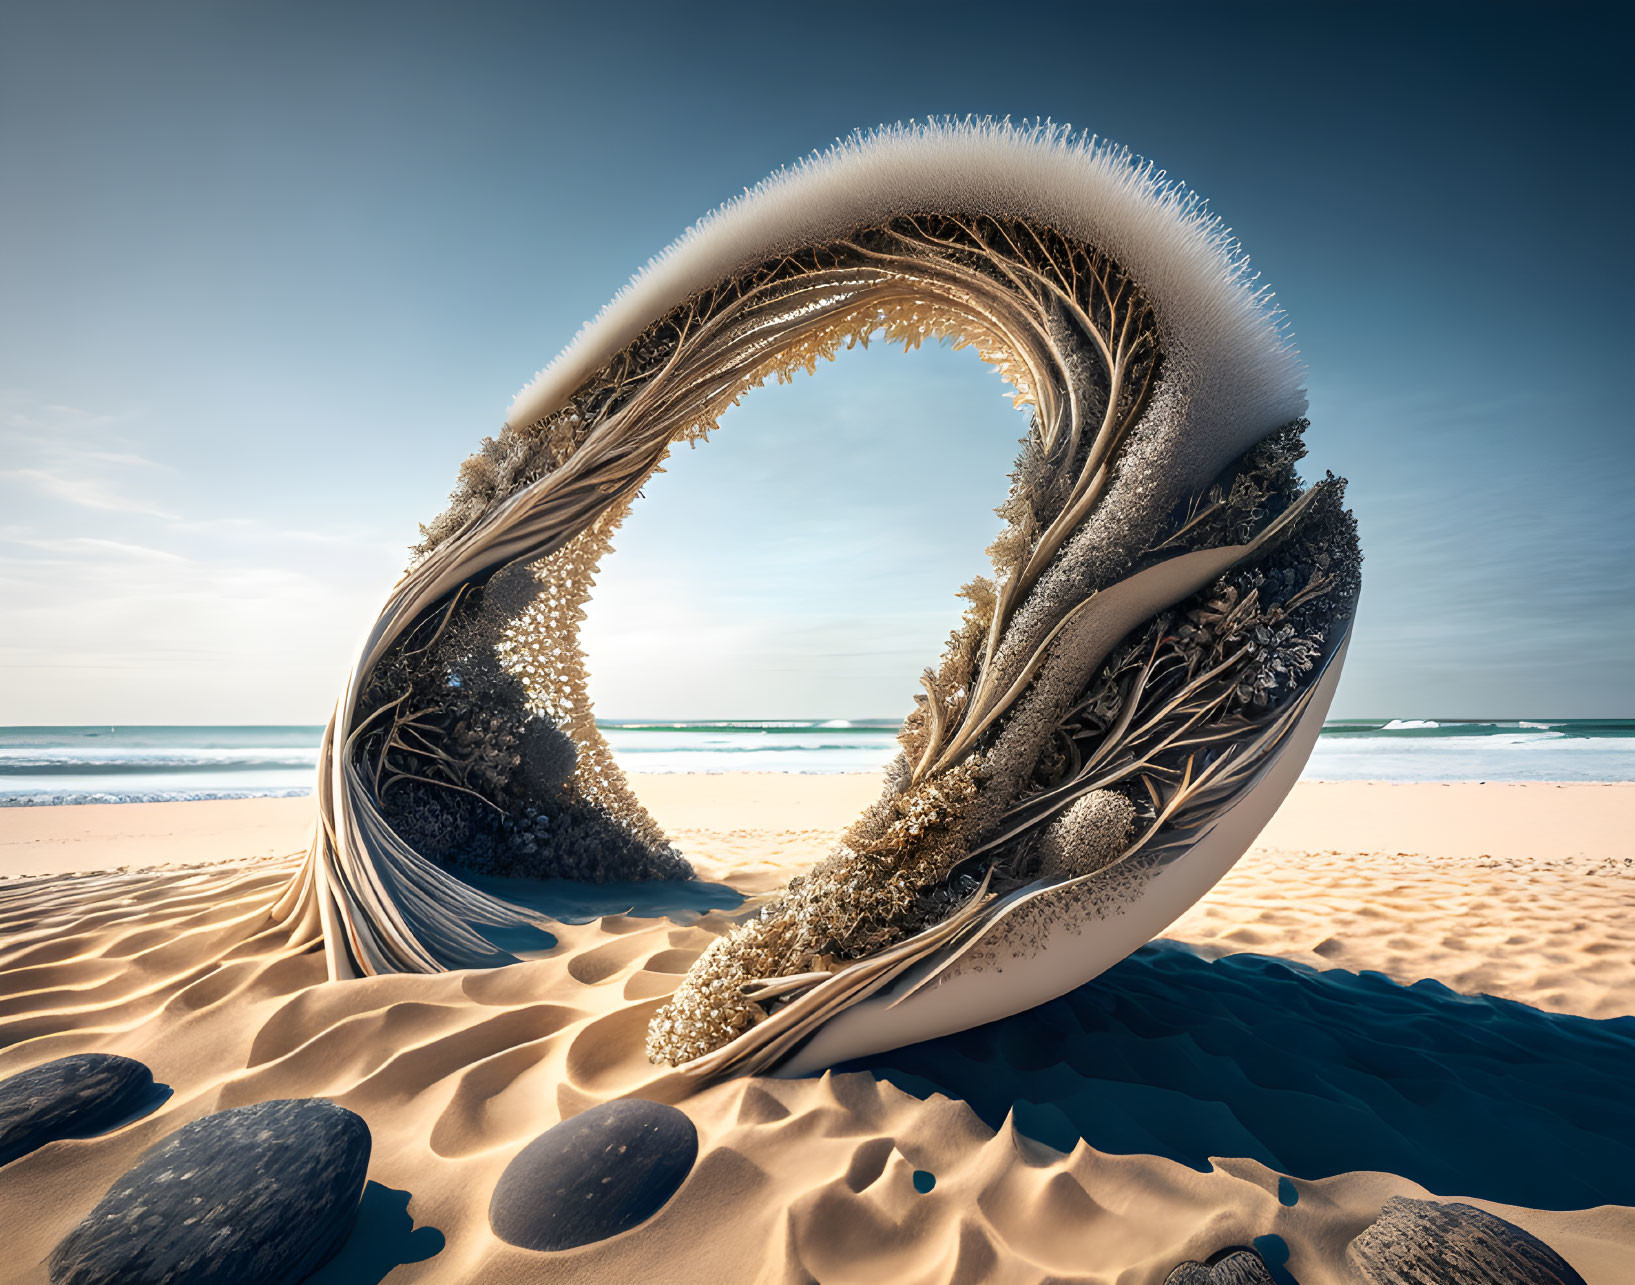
column 796, row 1180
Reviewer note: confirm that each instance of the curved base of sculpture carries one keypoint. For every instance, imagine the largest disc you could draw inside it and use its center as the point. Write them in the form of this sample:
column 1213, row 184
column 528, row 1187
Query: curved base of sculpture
column 1074, row 933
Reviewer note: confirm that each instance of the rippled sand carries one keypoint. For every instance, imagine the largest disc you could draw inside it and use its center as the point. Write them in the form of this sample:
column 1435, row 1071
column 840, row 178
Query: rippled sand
column 1520, row 892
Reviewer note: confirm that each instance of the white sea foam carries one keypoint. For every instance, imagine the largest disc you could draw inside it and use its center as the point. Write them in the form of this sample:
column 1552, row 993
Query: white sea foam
column 41, row 766
column 47, row 799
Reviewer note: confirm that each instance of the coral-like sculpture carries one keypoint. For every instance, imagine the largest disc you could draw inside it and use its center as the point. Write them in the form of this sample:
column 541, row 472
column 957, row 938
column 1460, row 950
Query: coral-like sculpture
column 1130, row 694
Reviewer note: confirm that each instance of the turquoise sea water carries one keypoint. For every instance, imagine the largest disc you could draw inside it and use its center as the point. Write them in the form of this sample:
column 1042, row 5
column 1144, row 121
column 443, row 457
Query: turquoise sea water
column 43, row 765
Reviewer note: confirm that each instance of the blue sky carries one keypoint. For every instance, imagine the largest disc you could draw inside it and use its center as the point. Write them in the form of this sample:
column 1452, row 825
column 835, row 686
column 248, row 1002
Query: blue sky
column 268, row 272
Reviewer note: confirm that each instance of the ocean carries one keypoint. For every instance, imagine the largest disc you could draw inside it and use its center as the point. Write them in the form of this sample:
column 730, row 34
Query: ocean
column 46, row 765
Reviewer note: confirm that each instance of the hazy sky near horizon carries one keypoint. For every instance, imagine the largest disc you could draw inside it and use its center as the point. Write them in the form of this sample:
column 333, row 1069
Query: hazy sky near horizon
column 270, row 271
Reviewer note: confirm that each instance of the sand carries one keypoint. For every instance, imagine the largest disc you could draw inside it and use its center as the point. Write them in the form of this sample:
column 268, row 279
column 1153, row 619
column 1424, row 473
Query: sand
column 108, row 836
column 1518, row 891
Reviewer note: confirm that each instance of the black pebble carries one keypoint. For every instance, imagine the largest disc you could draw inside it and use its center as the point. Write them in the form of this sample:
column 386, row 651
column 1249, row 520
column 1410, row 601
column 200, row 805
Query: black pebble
column 1233, row 1267
column 593, row 1176
column 73, row 1097
column 1452, row 1244
column 258, row 1194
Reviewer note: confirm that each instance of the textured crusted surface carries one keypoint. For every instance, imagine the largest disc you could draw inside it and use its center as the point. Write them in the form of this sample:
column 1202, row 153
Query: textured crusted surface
column 1087, row 836
column 541, row 646
column 1429, row 1242
column 1022, row 932
column 261, row 1193
column 1237, row 1267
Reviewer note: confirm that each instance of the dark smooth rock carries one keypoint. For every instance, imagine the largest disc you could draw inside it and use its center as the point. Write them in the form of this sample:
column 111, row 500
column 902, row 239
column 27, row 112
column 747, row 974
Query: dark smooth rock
column 73, row 1097
column 1233, row 1267
column 258, row 1194
column 593, row 1176
column 1452, row 1244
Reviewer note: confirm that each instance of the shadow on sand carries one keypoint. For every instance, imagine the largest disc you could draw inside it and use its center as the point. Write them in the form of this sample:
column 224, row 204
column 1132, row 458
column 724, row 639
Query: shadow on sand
column 572, row 901
column 383, row 1238
column 1311, row 1073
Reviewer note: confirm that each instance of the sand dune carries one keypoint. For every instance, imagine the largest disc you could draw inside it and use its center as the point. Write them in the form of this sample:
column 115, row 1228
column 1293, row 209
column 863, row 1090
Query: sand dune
column 802, row 1179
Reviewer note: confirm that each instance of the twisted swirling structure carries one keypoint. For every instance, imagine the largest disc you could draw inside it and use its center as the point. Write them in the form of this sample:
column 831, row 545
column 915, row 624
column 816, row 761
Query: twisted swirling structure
column 1130, row 695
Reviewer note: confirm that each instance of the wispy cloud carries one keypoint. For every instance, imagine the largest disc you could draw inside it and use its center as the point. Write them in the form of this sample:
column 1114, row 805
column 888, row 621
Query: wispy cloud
column 79, row 457
column 80, row 545
column 125, row 630
column 87, row 491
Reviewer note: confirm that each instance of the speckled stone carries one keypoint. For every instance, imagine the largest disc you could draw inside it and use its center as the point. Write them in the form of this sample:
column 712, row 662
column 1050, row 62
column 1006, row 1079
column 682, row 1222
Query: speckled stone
column 593, row 1176
column 1452, row 1244
column 255, row 1195
column 1239, row 1267
column 73, row 1097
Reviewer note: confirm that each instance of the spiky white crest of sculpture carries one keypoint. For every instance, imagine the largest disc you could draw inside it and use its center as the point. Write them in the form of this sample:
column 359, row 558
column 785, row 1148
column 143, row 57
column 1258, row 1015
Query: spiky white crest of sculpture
column 1131, row 693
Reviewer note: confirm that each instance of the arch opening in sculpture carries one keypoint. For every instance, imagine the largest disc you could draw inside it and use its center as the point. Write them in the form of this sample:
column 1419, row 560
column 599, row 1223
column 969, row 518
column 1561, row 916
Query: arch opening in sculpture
column 786, row 582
